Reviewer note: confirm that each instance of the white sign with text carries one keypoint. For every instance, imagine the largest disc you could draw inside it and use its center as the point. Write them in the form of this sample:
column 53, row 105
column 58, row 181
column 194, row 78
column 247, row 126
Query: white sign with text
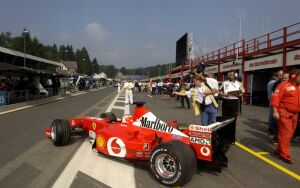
column 264, row 63
column 233, row 65
column 293, row 58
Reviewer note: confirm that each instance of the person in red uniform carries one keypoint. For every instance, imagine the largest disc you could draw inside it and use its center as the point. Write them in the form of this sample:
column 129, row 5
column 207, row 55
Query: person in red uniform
column 286, row 105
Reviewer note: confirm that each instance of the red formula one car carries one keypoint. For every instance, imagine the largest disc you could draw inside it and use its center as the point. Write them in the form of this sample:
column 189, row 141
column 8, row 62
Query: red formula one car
column 172, row 153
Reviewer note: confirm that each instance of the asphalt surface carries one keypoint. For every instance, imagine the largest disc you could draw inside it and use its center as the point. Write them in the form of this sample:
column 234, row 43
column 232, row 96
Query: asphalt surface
column 244, row 169
column 28, row 159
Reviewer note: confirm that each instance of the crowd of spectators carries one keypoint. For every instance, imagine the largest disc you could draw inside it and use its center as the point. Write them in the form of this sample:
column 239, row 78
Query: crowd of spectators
column 20, row 88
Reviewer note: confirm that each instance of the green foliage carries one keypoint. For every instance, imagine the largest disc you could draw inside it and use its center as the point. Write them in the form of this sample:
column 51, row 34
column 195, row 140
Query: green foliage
column 66, row 53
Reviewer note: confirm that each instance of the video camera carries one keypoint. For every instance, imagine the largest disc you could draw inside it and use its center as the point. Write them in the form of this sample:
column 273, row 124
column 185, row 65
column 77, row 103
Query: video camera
column 198, row 69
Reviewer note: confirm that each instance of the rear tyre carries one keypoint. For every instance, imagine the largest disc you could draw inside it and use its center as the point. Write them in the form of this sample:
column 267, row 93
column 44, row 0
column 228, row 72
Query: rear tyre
column 60, row 132
column 110, row 115
column 173, row 163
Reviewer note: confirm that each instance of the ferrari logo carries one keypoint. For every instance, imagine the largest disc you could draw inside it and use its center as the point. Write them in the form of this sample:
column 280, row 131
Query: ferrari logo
column 94, row 126
column 100, row 141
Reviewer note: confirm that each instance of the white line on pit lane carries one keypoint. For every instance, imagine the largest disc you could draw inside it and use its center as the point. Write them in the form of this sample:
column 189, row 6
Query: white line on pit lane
column 94, row 165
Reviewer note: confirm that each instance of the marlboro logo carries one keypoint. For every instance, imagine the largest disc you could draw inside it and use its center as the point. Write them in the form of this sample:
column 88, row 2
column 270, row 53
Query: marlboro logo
column 155, row 125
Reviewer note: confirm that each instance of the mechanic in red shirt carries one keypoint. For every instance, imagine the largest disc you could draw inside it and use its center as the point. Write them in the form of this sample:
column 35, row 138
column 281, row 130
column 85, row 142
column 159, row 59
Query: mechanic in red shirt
column 286, row 105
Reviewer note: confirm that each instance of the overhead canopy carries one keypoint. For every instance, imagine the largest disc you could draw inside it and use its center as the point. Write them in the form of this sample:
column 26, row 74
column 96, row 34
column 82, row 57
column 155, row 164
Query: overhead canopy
column 28, row 56
column 5, row 67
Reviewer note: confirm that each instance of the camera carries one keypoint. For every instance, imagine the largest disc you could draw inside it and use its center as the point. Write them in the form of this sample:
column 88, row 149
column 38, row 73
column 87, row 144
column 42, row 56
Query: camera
column 198, row 69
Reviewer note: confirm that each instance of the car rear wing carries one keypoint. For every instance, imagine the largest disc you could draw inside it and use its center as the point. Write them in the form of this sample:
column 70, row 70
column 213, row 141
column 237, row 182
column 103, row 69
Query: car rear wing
column 204, row 139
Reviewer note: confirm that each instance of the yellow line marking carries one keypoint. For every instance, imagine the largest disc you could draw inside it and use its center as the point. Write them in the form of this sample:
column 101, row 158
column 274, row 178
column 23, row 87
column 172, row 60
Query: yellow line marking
column 263, row 153
column 270, row 162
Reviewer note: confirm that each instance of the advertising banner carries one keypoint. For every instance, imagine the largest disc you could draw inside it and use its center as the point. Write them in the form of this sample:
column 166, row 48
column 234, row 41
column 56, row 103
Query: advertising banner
column 233, row 65
column 264, row 63
column 211, row 69
column 293, row 58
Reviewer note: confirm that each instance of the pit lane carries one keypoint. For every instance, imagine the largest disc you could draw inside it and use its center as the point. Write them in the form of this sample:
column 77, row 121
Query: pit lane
column 244, row 169
column 31, row 160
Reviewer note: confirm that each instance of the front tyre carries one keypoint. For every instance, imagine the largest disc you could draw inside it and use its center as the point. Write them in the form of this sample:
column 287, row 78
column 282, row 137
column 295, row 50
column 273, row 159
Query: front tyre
column 60, row 132
column 173, row 163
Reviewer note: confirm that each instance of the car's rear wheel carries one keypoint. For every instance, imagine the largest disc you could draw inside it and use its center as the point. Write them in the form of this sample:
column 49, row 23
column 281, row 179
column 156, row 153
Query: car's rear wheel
column 173, row 163
column 110, row 115
column 60, row 132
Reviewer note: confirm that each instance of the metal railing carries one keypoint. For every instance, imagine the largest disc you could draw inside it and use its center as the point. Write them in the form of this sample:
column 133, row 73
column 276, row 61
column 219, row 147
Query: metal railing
column 276, row 40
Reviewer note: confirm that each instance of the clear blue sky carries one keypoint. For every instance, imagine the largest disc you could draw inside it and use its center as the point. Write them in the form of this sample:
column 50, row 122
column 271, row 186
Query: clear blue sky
column 143, row 32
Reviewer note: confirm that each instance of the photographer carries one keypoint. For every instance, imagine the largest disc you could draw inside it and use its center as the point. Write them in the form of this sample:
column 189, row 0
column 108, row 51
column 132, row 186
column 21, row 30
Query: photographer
column 202, row 100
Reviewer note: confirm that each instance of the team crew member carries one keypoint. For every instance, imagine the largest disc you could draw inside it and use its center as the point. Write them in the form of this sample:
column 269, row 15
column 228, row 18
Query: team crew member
column 202, row 98
column 286, row 105
column 230, row 90
column 128, row 86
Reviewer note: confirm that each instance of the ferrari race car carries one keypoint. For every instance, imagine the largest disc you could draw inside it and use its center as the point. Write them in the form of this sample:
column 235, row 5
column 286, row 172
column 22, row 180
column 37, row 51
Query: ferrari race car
column 172, row 153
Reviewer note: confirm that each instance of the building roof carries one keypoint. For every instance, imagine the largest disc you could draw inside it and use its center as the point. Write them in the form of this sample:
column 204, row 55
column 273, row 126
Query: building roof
column 9, row 68
column 28, row 56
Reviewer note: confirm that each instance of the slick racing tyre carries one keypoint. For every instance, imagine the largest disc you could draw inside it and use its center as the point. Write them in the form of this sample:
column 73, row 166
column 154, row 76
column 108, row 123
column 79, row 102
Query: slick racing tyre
column 60, row 132
column 173, row 163
column 110, row 115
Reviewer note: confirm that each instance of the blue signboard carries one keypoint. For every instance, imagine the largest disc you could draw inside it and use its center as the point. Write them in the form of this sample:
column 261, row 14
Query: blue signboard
column 2, row 98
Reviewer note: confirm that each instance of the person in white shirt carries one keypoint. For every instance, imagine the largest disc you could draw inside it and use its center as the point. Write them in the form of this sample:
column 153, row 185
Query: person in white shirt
column 230, row 91
column 203, row 96
column 128, row 86
column 153, row 86
column 119, row 87
column 160, row 87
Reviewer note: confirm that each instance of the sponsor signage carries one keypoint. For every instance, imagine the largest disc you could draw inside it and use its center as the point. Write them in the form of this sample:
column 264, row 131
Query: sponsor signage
column 200, row 128
column 2, row 98
column 264, row 63
column 200, row 141
column 150, row 121
column 157, row 124
column 100, row 141
column 141, row 154
column 178, row 74
column 293, row 58
column 199, row 134
column 233, row 65
column 205, row 151
column 211, row 69
column 119, row 148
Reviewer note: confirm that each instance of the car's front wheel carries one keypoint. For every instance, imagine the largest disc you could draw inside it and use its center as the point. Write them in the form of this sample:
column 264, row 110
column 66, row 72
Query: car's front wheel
column 60, row 132
column 173, row 163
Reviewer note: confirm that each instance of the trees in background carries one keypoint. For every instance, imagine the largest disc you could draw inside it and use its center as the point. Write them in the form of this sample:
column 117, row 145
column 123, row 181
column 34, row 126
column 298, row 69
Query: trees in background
column 66, row 53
